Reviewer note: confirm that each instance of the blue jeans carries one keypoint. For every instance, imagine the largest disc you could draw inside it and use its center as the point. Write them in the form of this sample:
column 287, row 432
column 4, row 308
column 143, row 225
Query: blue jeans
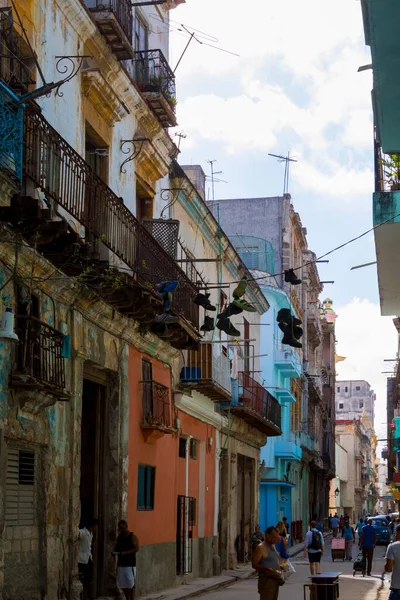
column 394, row 595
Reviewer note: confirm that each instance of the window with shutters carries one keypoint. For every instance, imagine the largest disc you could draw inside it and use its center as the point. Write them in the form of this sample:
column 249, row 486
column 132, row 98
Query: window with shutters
column 193, row 449
column 146, row 487
column 20, row 488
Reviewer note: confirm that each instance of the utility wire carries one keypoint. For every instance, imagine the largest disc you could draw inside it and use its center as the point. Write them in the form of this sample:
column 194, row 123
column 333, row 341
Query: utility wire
column 310, row 262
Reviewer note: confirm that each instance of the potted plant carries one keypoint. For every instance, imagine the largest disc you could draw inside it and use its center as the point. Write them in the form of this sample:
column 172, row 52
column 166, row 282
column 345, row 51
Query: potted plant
column 391, row 171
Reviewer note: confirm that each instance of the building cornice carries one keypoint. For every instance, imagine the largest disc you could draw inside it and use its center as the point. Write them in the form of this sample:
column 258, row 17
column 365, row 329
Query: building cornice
column 194, row 407
column 90, row 37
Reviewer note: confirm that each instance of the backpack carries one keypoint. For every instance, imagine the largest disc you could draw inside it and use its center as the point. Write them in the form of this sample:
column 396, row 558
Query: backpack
column 316, row 542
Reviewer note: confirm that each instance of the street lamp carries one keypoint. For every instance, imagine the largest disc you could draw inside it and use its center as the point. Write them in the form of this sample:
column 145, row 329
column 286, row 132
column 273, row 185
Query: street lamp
column 337, row 492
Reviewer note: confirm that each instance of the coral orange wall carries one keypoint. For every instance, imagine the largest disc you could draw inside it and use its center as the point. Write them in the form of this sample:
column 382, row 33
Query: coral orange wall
column 159, row 525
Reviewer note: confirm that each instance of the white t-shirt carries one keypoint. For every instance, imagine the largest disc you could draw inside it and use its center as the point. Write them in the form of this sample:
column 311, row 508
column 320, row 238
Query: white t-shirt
column 393, row 552
column 85, row 546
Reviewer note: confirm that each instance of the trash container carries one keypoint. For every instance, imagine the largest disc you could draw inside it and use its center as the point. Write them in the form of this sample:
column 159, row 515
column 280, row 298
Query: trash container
column 325, row 586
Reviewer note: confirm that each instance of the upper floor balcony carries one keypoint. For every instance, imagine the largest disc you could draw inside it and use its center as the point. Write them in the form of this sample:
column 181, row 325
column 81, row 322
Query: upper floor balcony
column 287, row 362
column 39, row 361
column 73, row 189
column 382, row 35
column 288, row 446
column 257, row 406
column 114, row 19
column 155, row 80
column 314, row 325
column 208, row 372
column 256, row 253
column 386, row 211
column 156, row 407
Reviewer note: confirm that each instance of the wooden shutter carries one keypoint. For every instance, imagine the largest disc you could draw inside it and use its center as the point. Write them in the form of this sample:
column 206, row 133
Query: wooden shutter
column 20, row 488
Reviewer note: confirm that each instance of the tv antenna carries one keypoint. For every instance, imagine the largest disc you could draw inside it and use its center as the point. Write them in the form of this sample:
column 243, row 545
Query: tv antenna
column 182, row 136
column 212, row 177
column 287, row 160
column 204, row 39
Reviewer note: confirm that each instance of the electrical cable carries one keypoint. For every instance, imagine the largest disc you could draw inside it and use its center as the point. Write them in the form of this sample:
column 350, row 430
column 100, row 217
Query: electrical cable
column 310, row 262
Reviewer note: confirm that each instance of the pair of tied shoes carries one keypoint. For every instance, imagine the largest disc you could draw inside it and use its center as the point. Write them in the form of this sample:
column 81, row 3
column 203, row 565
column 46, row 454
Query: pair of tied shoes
column 204, row 301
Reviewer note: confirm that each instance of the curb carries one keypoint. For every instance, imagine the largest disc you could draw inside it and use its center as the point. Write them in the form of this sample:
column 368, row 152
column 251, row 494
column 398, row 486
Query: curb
column 206, row 589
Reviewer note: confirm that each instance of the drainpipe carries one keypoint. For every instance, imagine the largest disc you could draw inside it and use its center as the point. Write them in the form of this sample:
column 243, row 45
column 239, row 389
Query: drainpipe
column 187, row 465
column 216, row 489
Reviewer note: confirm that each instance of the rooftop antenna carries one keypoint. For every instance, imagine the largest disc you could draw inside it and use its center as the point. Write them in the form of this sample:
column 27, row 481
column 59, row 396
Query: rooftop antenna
column 287, row 160
column 213, row 179
column 182, row 136
column 194, row 34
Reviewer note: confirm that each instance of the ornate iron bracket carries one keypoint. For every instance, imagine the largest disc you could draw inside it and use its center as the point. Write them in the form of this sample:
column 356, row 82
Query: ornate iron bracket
column 169, row 195
column 136, row 145
column 70, row 67
column 65, row 65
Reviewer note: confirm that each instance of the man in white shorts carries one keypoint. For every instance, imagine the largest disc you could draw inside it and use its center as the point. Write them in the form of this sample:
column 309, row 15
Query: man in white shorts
column 126, row 548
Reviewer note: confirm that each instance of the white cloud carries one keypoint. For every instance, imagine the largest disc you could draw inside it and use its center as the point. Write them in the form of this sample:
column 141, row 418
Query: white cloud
column 316, row 104
column 366, row 339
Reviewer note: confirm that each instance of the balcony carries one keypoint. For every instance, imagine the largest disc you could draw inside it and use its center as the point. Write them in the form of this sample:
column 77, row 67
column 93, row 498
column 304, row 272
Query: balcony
column 208, row 373
column 314, row 385
column 115, row 21
column 288, row 447
column 364, row 476
column 156, row 416
column 287, row 362
column 257, row 406
column 155, row 80
column 386, row 208
column 69, row 184
column 381, row 18
column 39, row 359
column 314, row 324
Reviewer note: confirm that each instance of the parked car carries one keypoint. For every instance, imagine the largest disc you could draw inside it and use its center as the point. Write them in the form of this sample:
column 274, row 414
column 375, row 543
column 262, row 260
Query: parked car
column 383, row 532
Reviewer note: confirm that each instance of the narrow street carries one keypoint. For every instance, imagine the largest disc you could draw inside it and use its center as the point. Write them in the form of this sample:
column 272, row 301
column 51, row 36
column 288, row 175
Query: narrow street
column 354, row 588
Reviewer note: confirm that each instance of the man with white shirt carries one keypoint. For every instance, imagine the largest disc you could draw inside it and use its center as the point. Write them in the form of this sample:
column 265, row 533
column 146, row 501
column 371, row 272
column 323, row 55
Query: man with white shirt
column 393, row 566
column 85, row 558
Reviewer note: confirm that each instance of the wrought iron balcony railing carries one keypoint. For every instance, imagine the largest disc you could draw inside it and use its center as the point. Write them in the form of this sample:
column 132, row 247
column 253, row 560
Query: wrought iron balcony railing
column 114, row 19
column 156, row 405
column 208, row 372
column 11, row 134
column 66, row 178
column 155, row 79
column 39, row 360
column 258, row 405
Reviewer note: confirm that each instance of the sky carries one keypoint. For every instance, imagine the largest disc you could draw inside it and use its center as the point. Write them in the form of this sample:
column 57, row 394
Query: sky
column 293, row 88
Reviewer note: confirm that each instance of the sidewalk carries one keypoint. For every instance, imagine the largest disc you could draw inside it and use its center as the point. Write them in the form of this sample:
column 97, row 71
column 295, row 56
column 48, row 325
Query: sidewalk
column 201, row 586
column 197, row 587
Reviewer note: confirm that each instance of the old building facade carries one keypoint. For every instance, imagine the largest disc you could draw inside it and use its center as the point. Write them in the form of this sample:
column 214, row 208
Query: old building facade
column 108, row 408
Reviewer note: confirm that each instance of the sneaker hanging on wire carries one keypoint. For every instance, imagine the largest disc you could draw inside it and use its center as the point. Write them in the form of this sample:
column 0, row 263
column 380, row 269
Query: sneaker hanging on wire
column 226, row 326
column 240, row 289
column 230, row 310
column 208, row 324
column 244, row 305
column 204, row 301
column 291, row 277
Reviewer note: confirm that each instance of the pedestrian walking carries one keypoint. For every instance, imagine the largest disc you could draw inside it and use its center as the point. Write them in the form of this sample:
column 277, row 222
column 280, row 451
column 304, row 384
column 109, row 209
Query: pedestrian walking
column 335, row 525
column 368, row 543
column 393, row 566
column 85, row 558
column 314, row 545
column 350, row 538
column 265, row 561
column 359, row 526
column 319, row 526
column 287, row 527
column 126, row 548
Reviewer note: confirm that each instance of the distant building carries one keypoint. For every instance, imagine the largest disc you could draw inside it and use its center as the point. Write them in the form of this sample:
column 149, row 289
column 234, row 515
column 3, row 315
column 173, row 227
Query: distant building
column 353, row 399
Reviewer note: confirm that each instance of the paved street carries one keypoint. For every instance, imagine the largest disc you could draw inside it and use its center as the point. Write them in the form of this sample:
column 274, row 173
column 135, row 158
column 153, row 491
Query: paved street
column 354, row 588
